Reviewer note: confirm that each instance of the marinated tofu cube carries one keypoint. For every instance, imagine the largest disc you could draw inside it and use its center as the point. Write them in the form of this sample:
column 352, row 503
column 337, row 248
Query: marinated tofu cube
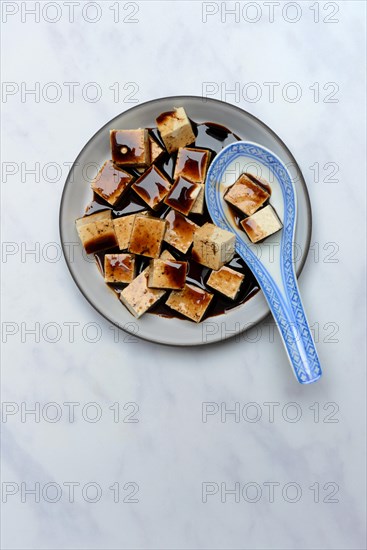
column 227, row 281
column 213, row 246
column 130, row 147
column 246, row 195
column 156, row 151
column 192, row 301
column 260, row 181
column 166, row 255
column 170, row 274
column 192, row 164
column 138, row 297
column 262, row 224
column 147, row 236
column 175, row 129
column 183, row 195
column 111, row 182
column 123, row 229
column 152, row 187
column 180, row 231
column 198, row 206
column 98, row 234
column 101, row 215
column 119, row 268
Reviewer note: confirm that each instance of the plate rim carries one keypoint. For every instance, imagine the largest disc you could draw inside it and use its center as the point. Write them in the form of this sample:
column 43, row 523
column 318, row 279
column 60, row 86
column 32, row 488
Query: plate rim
column 206, row 100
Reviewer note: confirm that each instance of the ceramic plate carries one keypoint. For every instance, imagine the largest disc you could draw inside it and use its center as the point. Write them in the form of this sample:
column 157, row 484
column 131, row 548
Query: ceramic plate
column 77, row 194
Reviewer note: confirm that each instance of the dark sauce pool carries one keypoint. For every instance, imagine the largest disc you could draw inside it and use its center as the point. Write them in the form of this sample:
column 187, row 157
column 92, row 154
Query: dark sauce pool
column 208, row 136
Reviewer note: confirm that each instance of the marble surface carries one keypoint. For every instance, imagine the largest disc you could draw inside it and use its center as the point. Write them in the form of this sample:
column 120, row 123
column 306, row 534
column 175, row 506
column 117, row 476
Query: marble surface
column 150, row 420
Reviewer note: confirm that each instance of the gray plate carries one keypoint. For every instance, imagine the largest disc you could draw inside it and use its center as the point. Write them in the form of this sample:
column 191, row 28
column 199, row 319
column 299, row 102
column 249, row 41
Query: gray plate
column 77, row 194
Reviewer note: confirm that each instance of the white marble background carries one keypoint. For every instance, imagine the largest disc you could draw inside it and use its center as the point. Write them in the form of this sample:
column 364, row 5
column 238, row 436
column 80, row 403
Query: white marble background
column 170, row 452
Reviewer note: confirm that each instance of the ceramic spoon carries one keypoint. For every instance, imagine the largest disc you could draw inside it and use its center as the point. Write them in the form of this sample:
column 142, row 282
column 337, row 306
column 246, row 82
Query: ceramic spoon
column 272, row 262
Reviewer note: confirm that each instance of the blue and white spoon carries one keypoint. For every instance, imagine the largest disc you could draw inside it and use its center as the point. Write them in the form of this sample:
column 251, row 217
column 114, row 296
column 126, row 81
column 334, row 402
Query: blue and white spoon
column 271, row 262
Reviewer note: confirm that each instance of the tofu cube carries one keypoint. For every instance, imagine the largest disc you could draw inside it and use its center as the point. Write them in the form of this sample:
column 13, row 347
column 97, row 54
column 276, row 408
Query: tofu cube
column 130, row 147
column 96, row 231
column 262, row 224
column 169, row 274
column 156, row 151
column 198, row 206
column 213, row 246
column 147, row 236
column 119, row 268
column 111, row 182
column 227, row 281
column 260, row 181
column 246, row 195
column 183, row 195
column 180, row 231
column 166, row 255
column 123, row 229
column 192, row 301
column 175, row 129
column 100, row 215
column 152, row 187
column 138, row 297
column 192, row 164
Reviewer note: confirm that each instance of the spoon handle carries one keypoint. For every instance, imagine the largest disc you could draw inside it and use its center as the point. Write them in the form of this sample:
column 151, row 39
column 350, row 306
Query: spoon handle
column 286, row 306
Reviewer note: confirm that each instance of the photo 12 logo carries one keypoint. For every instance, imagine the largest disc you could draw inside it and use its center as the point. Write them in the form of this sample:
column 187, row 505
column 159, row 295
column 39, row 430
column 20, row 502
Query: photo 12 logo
column 69, row 492
column 269, row 412
column 69, row 411
column 70, row 12
column 71, row 332
column 270, row 12
column 271, row 91
column 69, row 92
column 327, row 333
column 269, row 491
